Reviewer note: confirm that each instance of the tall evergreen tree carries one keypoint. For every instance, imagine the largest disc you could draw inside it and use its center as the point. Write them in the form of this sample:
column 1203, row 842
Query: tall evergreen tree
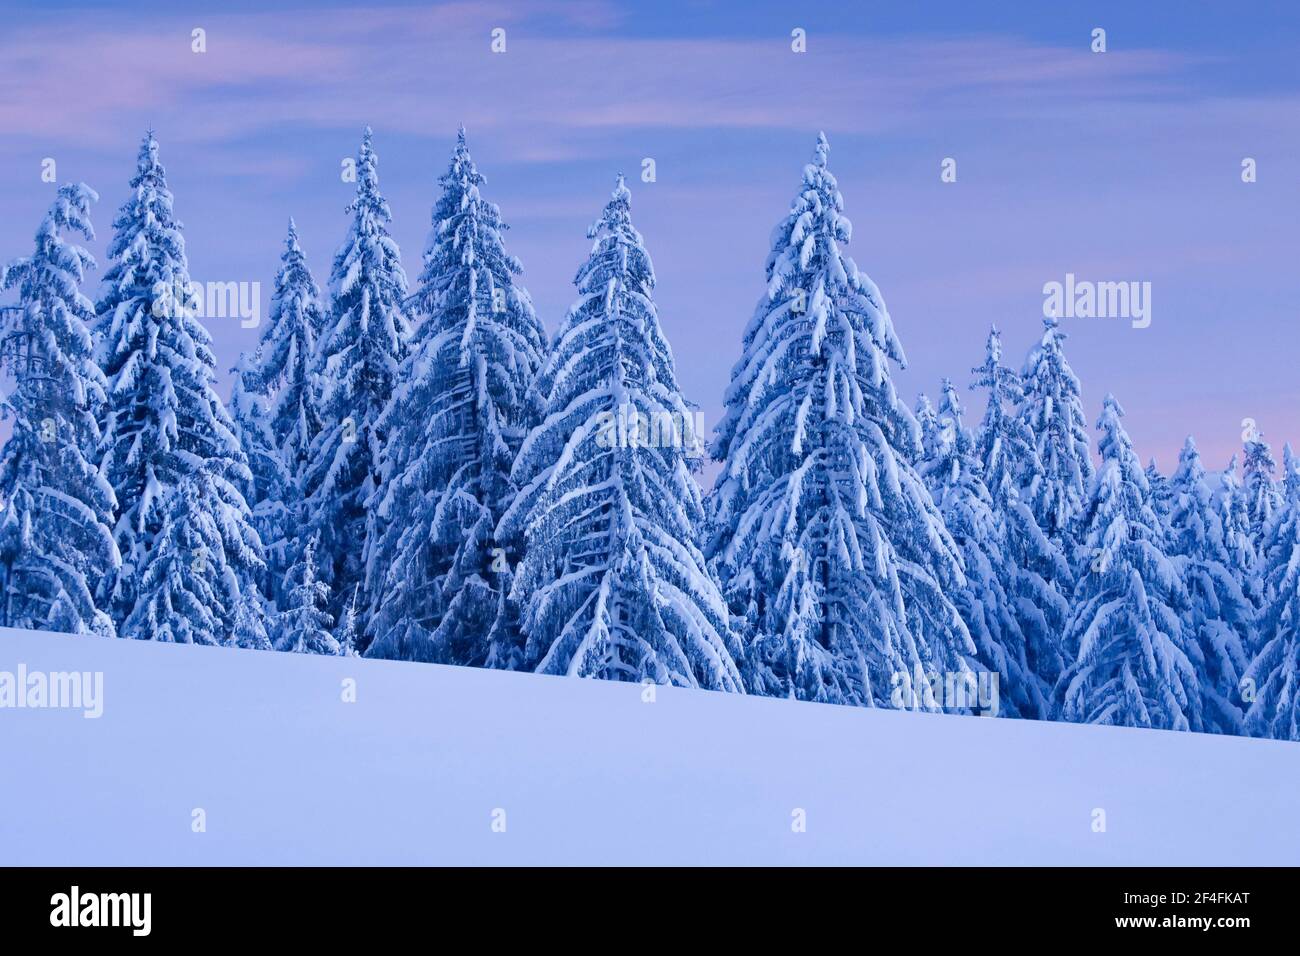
column 438, row 575
column 277, row 406
column 56, row 539
column 164, row 424
column 613, row 583
column 1041, row 579
column 1130, row 666
column 1056, row 488
column 834, row 558
column 986, row 602
column 360, row 353
column 1220, row 618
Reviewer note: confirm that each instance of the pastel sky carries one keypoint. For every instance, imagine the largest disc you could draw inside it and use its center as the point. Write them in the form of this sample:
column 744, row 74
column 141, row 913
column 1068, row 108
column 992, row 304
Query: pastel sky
column 1114, row 167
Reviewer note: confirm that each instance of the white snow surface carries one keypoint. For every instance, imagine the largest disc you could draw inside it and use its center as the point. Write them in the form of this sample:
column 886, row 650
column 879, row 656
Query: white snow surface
column 587, row 773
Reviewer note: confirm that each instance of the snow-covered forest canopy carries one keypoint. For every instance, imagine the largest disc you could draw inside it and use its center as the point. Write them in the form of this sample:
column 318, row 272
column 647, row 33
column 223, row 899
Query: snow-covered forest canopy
column 416, row 471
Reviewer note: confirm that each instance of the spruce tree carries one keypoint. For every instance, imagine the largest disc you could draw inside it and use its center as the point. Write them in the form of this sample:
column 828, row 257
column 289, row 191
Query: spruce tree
column 303, row 626
column 438, row 574
column 1003, row 442
column 986, row 602
column 1258, row 488
column 1056, row 487
column 1129, row 666
column 56, row 540
column 360, row 354
column 1230, row 505
column 169, row 447
column 613, row 583
column 277, row 406
column 1274, row 674
column 1041, row 579
column 833, row 556
column 1161, row 492
column 1219, row 621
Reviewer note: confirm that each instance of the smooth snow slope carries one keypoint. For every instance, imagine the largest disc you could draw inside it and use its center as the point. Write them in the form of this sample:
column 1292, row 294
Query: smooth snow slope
column 587, row 773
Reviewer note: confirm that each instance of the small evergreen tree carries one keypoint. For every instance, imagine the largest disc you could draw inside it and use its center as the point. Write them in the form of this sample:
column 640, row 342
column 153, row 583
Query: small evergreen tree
column 1003, row 442
column 1161, row 492
column 303, row 627
column 348, row 632
column 1260, row 492
column 1230, row 504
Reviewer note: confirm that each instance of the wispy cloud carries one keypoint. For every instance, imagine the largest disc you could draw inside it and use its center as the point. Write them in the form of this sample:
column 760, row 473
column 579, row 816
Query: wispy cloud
column 408, row 69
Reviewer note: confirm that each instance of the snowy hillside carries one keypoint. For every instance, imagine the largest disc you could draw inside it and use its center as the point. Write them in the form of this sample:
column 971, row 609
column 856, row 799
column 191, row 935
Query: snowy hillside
column 417, row 769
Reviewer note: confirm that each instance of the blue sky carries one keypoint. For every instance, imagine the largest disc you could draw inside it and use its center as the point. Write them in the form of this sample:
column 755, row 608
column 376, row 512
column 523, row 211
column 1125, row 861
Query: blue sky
column 1116, row 166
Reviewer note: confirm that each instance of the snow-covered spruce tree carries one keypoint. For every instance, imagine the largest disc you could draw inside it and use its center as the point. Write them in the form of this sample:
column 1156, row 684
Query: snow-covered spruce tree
column 1230, row 505
column 1219, row 621
column 1003, row 442
column 56, row 539
column 985, row 602
column 1276, row 543
column 437, row 573
column 1056, row 487
column 1130, row 667
column 933, row 440
column 253, row 624
column 1274, row 674
column 360, row 351
column 834, row 558
column 303, row 626
column 348, row 633
column 1041, row 577
column 1261, row 495
column 283, row 419
column 613, row 584
column 165, row 427
column 1161, row 492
